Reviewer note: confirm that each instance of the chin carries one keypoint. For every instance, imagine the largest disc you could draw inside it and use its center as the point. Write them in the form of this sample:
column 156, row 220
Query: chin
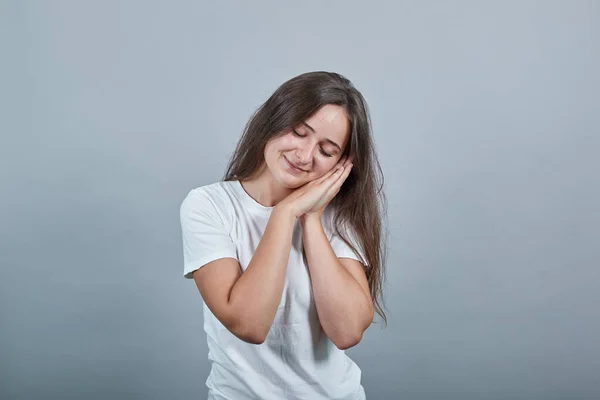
column 290, row 182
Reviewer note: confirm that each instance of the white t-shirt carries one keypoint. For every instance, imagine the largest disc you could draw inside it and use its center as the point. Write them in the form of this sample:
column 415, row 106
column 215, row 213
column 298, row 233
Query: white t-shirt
column 297, row 360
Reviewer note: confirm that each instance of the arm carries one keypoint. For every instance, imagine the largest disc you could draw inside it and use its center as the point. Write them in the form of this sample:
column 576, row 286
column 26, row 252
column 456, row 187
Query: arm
column 340, row 287
column 246, row 303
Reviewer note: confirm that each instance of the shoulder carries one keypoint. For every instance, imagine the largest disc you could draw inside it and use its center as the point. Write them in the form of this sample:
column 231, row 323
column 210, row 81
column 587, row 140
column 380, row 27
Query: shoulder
column 331, row 229
column 327, row 220
column 215, row 199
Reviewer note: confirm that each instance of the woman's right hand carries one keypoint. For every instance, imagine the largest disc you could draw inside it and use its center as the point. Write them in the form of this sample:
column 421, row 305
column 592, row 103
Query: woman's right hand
column 304, row 199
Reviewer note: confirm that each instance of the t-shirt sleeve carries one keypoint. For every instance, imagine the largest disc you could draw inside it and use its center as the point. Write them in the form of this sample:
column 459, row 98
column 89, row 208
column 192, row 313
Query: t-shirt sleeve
column 343, row 250
column 204, row 235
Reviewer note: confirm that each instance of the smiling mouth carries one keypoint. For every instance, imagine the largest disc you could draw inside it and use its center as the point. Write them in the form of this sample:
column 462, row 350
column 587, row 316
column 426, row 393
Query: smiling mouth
column 293, row 166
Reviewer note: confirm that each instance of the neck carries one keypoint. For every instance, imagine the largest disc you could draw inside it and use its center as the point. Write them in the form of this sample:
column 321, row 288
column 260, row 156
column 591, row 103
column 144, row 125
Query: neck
column 263, row 188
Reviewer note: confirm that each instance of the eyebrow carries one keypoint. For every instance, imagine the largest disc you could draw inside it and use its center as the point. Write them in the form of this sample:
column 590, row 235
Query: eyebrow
column 326, row 139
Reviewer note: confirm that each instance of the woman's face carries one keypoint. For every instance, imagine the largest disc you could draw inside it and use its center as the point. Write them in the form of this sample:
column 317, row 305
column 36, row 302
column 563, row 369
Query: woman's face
column 314, row 147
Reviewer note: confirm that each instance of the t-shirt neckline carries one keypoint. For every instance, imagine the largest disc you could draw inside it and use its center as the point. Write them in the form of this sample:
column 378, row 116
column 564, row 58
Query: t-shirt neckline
column 249, row 200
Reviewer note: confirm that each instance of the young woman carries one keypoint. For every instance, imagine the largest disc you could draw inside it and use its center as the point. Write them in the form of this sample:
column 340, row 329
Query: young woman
column 287, row 250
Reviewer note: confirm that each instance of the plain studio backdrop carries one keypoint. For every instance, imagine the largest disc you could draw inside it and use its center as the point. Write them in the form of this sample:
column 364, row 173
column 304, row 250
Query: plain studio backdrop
column 486, row 119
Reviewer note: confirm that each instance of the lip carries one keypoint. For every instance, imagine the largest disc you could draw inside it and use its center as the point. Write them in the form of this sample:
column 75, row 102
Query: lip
column 292, row 167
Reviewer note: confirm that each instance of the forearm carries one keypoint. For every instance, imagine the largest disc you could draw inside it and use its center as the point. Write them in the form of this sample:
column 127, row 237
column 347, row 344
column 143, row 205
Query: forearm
column 344, row 309
column 257, row 293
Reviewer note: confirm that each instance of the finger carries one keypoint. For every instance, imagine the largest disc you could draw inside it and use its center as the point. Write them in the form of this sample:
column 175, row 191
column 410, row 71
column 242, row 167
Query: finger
column 339, row 172
column 328, row 174
column 344, row 175
column 348, row 161
column 321, row 186
column 333, row 190
column 340, row 162
column 343, row 162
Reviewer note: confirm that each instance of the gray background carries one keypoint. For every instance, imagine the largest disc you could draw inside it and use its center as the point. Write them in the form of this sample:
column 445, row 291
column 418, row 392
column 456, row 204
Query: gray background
column 486, row 119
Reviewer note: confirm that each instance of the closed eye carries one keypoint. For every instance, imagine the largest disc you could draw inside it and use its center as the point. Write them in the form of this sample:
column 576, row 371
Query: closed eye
column 322, row 151
column 297, row 134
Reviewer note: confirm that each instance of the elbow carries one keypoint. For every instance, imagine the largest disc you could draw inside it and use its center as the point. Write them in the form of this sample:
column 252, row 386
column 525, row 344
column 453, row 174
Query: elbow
column 348, row 341
column 251, row 337
column 249, row 334
column 245, row 327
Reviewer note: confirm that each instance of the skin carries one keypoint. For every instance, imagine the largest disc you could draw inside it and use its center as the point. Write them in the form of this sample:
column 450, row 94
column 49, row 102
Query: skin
column 273, row 182
column 340, row 287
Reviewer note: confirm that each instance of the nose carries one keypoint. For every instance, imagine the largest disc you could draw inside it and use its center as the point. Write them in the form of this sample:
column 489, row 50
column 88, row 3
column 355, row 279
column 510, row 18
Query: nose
column 304, row 155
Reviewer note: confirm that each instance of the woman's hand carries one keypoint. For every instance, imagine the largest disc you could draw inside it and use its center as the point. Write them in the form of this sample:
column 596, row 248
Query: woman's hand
column 313, row 197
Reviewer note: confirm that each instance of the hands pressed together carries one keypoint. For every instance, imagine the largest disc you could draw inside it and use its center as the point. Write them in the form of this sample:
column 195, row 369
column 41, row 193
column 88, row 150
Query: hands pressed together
column 312, row 198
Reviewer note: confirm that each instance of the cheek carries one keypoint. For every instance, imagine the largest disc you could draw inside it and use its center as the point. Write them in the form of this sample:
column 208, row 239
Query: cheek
column 330, row 163
column 324, row 167
column 278, row 145
column 272, row 148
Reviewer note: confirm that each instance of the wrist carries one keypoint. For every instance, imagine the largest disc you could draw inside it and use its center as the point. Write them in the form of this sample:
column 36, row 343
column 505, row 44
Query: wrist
column 312, row 217
column 311, row 220
column 285, row 211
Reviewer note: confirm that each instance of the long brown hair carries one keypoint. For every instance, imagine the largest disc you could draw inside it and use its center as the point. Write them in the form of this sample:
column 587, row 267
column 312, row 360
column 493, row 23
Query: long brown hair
column 361, row 202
